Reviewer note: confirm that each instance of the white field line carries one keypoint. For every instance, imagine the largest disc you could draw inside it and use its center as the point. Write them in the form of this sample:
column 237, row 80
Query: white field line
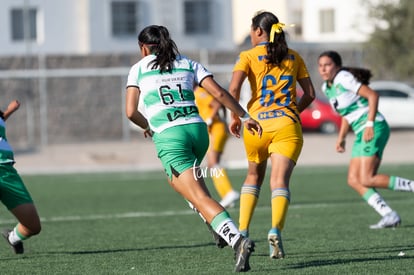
column 148, row 214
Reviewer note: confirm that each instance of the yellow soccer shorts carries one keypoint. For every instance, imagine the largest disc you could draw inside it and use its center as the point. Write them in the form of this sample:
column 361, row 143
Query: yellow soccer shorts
column 286, row 141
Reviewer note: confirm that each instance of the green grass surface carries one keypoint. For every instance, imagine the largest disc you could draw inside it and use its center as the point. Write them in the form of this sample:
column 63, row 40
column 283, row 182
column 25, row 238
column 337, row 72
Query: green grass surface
column 134, row 223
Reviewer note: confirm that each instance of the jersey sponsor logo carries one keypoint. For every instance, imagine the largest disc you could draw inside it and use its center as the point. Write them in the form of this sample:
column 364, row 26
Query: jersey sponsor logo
column 271, row 114
column 182, row 112
column 174, row 79
column 288, row 57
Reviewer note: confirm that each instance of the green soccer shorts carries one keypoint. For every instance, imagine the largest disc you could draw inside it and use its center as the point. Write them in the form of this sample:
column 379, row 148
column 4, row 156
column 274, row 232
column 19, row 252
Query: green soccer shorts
column 13, row 192
column 181, row 147
column 375, row 146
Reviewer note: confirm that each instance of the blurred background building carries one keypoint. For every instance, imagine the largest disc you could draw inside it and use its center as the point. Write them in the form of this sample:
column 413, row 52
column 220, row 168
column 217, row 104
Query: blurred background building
column 111, row 26
column 67, row 60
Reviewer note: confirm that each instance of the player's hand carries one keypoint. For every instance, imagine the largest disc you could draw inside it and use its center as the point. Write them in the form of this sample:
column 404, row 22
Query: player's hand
column 13, row 106
column 235, row 126
column 340, row 146
column 368, row 134
column 209, row 122
column 252, row 126
column 148, row 132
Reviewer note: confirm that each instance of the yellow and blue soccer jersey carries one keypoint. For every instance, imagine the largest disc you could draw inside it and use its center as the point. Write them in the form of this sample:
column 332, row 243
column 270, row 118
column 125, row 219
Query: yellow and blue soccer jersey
column 273, row 88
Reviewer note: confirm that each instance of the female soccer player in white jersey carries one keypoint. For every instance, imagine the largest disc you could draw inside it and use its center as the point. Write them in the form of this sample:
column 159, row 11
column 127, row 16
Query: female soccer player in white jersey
column 13, row 193
column 163, row 81
column 349, row 94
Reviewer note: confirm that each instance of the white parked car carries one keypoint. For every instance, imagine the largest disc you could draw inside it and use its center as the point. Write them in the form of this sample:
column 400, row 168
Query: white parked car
column 396, row 102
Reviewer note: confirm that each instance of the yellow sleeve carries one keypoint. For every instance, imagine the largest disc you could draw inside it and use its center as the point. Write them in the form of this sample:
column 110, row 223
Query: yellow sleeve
column 242, row 63
column 302, row 69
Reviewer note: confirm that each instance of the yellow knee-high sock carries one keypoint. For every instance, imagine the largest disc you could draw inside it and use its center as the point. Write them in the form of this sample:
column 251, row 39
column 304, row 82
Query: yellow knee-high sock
column 221, row 181
column 280, row 205
column 248, row 200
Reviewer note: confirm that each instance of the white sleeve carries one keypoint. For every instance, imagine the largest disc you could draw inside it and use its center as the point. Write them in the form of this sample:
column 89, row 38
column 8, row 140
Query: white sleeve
column 133, row 77
column 349, row 81
column 199, row 71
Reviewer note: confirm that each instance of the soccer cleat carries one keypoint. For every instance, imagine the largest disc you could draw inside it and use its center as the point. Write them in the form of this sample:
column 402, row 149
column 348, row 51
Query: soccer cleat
column 276, row 246
column 17, row 247
column 230, row 199
column 220, row 242
column 243, row 251
column 390, row 220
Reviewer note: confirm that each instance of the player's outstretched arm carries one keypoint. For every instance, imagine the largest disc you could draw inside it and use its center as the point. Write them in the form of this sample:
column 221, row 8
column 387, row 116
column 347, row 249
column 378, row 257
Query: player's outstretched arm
column 225, row 98
column 11, row 108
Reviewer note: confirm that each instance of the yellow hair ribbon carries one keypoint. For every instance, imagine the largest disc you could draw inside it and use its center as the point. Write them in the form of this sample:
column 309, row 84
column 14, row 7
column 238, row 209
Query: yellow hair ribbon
column 276, row 28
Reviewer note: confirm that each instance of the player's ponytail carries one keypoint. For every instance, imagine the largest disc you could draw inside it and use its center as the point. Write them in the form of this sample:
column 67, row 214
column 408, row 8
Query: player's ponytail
column 277, row 48
column 363, row 75
column 159, row 42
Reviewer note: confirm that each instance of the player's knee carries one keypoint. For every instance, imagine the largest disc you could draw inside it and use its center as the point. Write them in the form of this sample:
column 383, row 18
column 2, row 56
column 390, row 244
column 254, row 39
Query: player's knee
column 353, row 182
column 368, row 181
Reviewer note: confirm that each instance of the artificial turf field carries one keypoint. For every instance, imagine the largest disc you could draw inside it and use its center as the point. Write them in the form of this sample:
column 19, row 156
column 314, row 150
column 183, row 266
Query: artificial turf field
column 134, row 223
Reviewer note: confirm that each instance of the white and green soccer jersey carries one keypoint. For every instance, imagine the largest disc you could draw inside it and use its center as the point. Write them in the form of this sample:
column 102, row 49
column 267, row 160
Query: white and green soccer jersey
column 6, row 152
column 168, row 98
column 344, row 98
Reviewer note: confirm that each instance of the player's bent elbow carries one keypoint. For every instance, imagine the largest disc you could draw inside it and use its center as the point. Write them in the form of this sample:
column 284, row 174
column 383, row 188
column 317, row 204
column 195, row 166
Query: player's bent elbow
column 129, row 113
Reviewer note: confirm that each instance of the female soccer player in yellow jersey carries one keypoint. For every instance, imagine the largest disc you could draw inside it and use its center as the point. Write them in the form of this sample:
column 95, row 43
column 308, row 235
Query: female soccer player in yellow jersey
column 213, row 113
column 272, row 70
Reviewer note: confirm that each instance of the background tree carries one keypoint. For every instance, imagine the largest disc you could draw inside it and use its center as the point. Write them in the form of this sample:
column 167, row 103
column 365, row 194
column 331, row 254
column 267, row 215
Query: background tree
column 390, row 49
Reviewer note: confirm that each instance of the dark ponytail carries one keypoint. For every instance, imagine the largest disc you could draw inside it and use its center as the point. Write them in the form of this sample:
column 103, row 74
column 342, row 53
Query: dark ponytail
column 278, row 49
column 363, row 75
column 159, row 42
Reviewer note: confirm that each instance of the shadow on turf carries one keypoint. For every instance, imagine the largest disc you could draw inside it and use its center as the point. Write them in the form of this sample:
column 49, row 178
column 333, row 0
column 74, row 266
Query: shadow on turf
column 317, row 263
column 370, row 250
column 86, row 252
column 133, row 249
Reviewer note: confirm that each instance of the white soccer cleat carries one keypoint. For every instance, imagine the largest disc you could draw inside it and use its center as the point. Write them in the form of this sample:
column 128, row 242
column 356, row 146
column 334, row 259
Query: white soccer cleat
column 390, row 220
column 230, row 199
